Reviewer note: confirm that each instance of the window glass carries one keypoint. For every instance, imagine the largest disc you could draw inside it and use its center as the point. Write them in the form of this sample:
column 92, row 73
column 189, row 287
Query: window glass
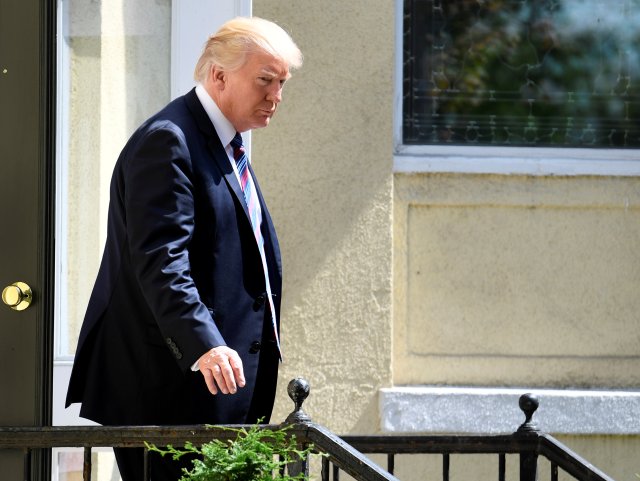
column 549, row 73
column 68, row 465
column 114, row 69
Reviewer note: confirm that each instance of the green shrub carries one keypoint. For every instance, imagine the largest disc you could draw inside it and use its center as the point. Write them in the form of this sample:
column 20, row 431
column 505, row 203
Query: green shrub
column 259, row 454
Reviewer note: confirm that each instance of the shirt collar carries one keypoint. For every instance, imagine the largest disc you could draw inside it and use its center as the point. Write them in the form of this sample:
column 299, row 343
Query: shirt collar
column 224, row 128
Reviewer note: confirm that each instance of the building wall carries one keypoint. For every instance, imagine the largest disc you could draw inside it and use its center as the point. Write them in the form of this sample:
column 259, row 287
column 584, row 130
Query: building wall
column 326, row 169
column 433, row 279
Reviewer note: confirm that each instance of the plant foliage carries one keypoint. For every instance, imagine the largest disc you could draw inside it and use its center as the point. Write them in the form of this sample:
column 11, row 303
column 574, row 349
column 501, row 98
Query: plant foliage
column 257, row 454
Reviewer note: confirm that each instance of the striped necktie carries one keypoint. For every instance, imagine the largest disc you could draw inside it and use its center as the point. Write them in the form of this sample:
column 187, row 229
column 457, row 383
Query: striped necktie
column 255, row 214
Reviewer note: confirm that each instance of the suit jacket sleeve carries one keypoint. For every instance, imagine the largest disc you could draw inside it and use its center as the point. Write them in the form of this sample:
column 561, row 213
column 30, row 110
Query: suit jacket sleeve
column 159, row 202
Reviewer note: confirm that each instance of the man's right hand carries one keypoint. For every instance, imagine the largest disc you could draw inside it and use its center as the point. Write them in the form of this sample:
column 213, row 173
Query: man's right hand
column 222, row 370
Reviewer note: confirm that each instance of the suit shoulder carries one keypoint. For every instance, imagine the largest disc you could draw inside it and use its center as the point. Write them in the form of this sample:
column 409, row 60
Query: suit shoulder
column 174, row 116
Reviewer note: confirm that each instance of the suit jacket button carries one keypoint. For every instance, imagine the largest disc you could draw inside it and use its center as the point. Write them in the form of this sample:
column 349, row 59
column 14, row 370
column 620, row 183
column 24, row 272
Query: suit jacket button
column 259, row 302
column 255, row 347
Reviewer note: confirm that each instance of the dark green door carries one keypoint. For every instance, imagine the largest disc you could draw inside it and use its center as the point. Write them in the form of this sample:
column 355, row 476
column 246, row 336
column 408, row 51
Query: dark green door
column 27, row 61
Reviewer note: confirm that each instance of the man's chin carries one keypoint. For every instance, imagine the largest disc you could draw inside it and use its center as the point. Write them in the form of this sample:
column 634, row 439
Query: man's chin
column 262, row 123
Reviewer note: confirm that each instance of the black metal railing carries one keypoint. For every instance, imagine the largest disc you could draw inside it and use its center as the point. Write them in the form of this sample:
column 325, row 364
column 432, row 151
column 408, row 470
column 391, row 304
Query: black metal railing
column 341, row 454
column 527, row 442
column 529, row 448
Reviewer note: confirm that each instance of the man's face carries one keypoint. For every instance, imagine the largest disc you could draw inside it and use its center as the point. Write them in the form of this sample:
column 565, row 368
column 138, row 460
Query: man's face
column 249, row 96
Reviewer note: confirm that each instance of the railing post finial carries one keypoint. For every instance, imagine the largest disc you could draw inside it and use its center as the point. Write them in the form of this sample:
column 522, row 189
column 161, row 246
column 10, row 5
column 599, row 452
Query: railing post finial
column 298, row 390
column 528, row 404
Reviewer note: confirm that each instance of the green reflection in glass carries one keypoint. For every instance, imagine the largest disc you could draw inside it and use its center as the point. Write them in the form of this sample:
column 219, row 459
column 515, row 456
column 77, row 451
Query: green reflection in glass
column 560, row 73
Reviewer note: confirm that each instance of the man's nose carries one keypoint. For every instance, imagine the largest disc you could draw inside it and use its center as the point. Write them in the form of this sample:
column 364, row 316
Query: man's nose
column 275, row 94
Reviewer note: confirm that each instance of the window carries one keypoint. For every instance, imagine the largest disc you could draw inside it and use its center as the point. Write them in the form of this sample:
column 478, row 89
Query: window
column 521, row 73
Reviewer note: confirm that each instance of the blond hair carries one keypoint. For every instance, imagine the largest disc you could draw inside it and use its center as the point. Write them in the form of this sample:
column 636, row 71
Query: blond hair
column 229, row 46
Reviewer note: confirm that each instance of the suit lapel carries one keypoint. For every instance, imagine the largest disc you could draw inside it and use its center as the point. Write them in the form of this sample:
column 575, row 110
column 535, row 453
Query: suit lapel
column 217, row 149
column 224, row 165
column 222, row 161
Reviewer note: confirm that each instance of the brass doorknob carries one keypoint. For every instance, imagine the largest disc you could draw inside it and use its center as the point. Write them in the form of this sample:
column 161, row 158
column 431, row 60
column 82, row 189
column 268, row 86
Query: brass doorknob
column 17, row 296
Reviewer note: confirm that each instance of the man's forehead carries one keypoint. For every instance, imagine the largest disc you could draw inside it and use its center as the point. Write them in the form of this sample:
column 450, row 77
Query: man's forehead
column 268, row 64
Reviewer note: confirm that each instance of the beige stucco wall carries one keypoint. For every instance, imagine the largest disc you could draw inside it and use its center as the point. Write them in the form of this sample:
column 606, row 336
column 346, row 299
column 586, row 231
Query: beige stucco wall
column 326, row 168
column 511, row 281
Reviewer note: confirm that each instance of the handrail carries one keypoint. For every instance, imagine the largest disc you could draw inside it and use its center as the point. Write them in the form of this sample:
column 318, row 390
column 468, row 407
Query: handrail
column 117, row 436
column 344, row 452
column 572, row 463
column 440, row 444
column 343, row 455
column 324, row 441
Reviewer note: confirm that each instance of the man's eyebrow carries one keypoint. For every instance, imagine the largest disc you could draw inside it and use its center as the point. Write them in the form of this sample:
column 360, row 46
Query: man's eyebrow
column 273, row 72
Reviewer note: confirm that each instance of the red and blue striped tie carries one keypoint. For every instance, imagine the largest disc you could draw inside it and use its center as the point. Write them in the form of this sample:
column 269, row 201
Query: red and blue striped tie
column 255, row 214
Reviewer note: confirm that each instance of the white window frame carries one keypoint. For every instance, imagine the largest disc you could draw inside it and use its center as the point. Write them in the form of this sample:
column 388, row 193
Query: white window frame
column 497, row 160
column 190, row 27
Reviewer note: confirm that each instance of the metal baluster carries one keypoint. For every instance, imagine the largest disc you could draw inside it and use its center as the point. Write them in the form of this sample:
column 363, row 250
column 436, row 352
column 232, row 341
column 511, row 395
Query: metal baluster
column 445, row 467
column 391, row 461
column 301, row 466
column 86, row 468
column 27, row 464
column 324, row 473
column 554, row 472
column 528, row 460
column 502, row 467
column 298, row 390
column 145, row 466
column 336, row 473
column 528, row 467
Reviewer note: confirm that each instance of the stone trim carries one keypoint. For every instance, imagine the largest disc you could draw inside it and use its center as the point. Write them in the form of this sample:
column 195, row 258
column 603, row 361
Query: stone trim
column 473, row 410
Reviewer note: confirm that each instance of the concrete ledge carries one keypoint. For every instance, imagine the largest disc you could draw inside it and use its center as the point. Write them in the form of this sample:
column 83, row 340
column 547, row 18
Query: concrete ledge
column 496, row 411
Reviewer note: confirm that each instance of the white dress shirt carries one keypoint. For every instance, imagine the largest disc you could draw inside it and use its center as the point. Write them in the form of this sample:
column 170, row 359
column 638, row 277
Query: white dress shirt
column 226, row 132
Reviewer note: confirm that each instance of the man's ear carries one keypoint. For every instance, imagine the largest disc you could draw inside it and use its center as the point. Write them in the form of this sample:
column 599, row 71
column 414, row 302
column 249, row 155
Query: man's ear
column 218, row 77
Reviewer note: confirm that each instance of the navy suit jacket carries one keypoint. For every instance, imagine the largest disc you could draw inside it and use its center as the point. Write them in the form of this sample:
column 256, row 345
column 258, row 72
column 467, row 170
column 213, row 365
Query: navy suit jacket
column 181, row 273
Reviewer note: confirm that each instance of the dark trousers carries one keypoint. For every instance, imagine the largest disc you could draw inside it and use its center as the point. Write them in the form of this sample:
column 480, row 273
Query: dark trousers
column 161, row 468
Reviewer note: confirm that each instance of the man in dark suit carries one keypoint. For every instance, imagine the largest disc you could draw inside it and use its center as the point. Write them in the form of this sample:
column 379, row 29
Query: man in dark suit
column 182, row 324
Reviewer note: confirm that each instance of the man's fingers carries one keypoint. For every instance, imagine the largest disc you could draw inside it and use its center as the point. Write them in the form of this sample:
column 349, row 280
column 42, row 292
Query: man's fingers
column 208, row 379
column 222, row 367
column 225, row 378
column 238, row 370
